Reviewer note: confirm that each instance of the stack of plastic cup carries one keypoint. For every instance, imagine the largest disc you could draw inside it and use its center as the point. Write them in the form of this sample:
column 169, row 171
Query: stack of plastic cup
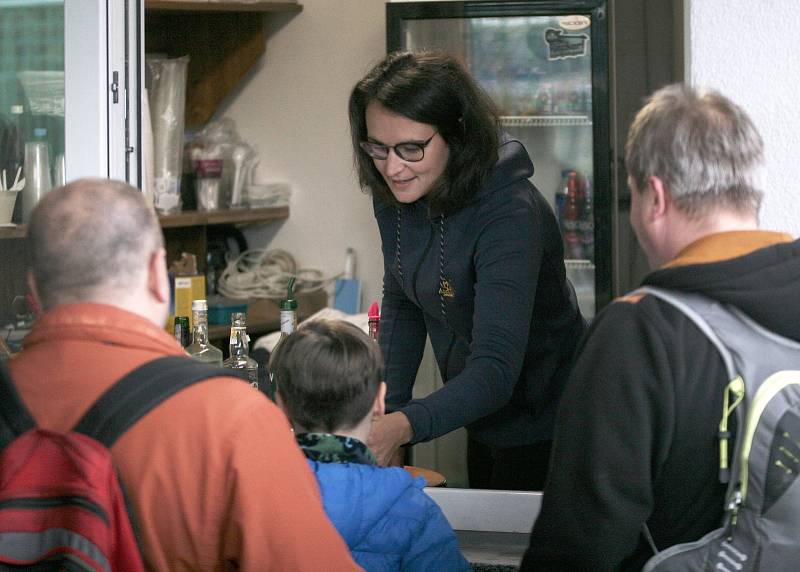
column 37, row 176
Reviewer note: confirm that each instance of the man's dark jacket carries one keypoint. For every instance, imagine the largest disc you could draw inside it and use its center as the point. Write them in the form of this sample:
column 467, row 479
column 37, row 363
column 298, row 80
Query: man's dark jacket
column 636, row 436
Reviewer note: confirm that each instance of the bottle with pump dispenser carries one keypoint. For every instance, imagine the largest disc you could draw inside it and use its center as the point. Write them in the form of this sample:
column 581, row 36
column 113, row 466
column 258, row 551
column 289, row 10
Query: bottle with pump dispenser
column 239, row 359
column 200, row 348
column 288, row 307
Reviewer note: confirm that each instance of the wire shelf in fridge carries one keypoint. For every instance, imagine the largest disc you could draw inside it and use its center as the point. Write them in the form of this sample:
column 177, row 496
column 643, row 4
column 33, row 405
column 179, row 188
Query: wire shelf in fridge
column 544, row 120
column 578, row 264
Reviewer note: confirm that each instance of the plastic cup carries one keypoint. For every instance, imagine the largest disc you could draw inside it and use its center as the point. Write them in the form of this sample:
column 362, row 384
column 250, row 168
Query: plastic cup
column 7, row 200
column 60, row 174
column 37, row 176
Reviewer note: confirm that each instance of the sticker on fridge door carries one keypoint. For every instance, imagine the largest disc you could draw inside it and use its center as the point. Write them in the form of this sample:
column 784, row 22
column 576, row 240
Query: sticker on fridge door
column 575, row 22
column 561, row 45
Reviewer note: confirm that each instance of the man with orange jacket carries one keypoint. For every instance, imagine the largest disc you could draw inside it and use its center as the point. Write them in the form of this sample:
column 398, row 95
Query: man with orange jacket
column 214, row 476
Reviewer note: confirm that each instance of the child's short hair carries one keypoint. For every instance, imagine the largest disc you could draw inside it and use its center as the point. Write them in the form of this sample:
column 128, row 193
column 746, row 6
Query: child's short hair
column 328, row 373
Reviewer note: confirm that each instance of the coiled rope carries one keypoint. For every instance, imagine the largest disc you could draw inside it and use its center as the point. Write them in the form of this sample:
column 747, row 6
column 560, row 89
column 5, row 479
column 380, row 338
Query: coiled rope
column 265, row 274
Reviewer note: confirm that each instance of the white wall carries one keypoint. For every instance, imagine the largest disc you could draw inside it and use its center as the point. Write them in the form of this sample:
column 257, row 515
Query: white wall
column 294, row 110
column 750, row 52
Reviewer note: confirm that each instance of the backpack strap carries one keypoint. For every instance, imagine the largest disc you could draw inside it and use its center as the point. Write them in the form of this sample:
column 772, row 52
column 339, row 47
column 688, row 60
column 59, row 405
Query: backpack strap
column 685, row 302
column 133, row 396
column 15, row 419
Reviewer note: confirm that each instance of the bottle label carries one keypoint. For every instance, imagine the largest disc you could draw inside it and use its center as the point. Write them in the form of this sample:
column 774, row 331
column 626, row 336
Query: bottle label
column 208, row 168
column 250, row 376
column 288, row 321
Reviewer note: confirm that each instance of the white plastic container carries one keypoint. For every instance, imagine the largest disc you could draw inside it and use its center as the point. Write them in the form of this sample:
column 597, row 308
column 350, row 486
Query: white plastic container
column 7, row 200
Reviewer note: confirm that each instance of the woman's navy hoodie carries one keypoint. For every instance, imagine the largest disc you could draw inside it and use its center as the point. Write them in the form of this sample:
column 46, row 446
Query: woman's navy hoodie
column 487, row 283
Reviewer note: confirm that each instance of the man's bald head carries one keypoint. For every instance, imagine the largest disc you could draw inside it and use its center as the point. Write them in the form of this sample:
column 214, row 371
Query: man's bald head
column 89, row 239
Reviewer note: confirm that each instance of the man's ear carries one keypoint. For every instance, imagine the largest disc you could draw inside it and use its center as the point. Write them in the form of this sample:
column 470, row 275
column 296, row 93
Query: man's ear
column 379, row 405
column 659, row 199
column 157, row 276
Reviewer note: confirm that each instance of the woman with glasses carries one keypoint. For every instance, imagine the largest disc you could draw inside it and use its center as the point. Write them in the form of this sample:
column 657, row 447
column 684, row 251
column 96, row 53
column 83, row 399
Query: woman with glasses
column 472, row 258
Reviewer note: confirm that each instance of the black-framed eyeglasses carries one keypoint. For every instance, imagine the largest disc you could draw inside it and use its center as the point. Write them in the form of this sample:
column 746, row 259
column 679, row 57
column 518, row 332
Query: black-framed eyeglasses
column 410, row 151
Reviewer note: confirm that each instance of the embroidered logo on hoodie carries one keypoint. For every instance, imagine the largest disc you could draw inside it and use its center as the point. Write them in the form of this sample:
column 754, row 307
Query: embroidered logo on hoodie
column 445, row 290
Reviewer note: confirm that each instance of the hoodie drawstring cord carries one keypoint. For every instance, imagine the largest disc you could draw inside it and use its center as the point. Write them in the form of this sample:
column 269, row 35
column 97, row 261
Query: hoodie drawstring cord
column 442, row 280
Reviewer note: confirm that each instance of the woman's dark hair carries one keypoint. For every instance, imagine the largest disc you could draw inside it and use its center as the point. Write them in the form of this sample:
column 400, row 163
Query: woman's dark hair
column 431, row 88
column 328, row 373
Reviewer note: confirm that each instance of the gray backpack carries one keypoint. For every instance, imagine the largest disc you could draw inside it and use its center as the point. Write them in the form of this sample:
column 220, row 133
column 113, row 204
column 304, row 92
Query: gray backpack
column 761, row 524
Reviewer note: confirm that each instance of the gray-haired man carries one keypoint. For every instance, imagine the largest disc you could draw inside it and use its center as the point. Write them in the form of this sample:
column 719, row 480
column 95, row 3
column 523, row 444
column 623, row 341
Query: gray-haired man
column 215, row 478
column 636, row 439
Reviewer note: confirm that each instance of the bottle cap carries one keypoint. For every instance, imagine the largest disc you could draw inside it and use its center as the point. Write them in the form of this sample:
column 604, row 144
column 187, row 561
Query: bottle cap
column 374, row 320
column 199, row 305
column 289, row 303
column 374, row 312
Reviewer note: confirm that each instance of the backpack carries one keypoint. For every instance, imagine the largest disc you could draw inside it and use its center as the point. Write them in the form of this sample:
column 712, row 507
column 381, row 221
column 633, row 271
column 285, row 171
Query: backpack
column 61, row 504
column 761, row 523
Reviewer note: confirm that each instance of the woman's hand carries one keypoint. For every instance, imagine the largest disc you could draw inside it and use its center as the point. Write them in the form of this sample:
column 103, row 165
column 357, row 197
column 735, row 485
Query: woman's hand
column 387, row 435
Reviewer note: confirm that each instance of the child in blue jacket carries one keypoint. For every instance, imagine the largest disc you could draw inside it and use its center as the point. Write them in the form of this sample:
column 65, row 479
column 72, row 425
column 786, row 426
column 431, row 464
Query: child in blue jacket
column 328, row 376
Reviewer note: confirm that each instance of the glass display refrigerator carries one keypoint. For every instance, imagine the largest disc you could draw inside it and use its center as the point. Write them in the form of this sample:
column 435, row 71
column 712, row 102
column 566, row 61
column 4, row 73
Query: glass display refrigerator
column 70, row 86
column 545, row 65
column 70, row 92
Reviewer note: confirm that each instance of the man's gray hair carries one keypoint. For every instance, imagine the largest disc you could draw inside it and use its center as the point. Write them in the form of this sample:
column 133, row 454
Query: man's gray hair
column 702, row 146
column 89, row 238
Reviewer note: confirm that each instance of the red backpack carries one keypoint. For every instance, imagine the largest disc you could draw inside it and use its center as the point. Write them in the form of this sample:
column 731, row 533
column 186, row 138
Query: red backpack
column 61, row 505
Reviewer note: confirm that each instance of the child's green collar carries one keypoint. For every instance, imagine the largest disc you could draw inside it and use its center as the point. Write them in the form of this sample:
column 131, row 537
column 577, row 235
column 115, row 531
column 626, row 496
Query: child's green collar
column 327, row 448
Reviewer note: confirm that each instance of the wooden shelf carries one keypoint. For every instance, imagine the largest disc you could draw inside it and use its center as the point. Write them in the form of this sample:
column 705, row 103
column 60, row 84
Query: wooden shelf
column 188, row 231
column 17, row 231
column 224, row 41
column 263, row 315
column 189, row 218
column 214, row 6
column 234, row 216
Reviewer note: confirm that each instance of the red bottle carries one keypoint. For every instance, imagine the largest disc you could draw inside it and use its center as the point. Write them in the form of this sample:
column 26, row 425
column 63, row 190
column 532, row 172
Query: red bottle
column 374, row 320
column 571, row 219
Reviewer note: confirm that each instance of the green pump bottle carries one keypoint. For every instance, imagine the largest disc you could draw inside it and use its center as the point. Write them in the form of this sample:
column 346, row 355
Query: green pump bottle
column 288, row 308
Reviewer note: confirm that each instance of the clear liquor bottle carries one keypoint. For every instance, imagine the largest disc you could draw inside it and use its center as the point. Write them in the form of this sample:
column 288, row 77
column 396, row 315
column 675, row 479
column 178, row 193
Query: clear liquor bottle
column 239, row 358
column 200, row 348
